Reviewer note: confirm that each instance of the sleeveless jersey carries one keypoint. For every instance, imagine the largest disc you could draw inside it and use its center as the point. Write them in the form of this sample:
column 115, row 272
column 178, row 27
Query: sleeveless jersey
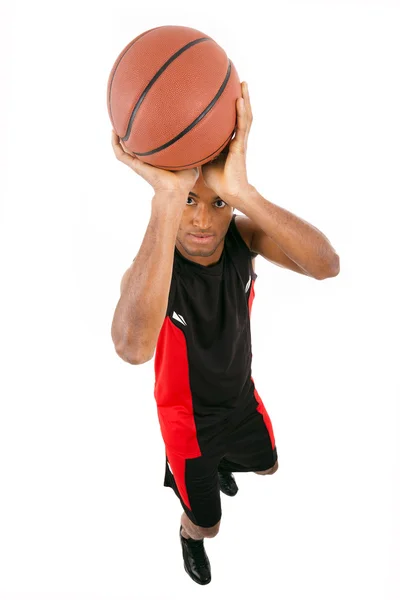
column 203, row 354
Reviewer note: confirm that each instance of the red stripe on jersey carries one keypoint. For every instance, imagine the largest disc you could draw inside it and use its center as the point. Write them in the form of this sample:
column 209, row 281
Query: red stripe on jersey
column 172, row 392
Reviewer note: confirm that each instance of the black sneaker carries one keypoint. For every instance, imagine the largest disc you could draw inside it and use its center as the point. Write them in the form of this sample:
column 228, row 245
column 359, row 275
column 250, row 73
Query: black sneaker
column 195, row 559
column 227, row 483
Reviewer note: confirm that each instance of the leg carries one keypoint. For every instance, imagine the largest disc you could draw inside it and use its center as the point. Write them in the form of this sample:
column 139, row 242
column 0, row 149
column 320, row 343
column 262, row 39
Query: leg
column 190, row 530
column 268, row 471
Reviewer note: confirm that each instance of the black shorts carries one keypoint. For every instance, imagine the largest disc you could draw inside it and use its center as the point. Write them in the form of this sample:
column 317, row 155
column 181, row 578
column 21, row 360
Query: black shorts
column 249, row 446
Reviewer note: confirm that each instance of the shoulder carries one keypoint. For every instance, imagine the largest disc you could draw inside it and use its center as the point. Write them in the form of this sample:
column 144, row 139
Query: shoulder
column 244, row 226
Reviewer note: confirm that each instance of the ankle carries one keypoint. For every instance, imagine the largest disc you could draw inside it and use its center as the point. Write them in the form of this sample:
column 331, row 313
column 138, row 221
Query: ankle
column 186, row 535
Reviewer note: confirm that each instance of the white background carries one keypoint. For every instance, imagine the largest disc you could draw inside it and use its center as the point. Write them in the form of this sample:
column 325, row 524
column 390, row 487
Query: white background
column 83, row 510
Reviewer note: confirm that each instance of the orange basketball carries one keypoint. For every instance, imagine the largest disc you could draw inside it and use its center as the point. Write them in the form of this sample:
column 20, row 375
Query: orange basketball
column 171, row 97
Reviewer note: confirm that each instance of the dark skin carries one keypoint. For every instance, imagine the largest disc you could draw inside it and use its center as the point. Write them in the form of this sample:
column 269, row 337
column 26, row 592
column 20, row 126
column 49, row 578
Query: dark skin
column 267, row 229
column 206, row 214
column 223, row 177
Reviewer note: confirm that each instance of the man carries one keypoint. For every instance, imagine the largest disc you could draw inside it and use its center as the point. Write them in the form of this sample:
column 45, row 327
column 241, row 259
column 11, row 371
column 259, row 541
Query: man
column 188, row 298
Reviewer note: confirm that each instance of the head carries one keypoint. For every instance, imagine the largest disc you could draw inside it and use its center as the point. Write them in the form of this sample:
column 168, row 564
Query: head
column 204, row 213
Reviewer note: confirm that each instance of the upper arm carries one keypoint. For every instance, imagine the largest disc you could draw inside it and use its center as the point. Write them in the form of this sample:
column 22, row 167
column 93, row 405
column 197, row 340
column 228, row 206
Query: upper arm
column 264, row 245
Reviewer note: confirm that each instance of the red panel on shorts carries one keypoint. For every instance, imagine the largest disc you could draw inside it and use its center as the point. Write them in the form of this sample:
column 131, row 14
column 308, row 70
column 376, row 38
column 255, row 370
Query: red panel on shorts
column 262, row 410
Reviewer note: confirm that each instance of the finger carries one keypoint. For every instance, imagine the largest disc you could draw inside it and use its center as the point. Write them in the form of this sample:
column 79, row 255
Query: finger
column 240, row 130
column 118, row 150
column 124, row 147
column 119, row 147
column 114, row 138
column 123, row 156
column 248, row 117
column 246, row 97
column 115, row 141
column 241, row 114
column 119, row 144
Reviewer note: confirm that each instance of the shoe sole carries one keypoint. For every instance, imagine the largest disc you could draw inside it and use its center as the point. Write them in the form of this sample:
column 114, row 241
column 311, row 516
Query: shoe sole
column 227, row 493
column 191, row 576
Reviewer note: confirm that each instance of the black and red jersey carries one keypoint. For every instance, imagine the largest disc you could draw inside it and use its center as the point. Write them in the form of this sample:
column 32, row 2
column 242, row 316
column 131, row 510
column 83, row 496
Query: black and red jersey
column 203, row 355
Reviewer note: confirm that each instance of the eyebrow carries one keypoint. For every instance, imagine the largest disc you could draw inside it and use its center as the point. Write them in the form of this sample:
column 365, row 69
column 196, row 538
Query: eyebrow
column 196, row 196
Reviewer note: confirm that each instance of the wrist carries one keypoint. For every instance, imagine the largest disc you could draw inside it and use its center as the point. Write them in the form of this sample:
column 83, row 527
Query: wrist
column 240, row 197
column 169, row 201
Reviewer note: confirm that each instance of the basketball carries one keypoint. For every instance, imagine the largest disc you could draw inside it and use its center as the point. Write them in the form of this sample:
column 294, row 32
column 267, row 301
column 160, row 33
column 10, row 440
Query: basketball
column 171, row 97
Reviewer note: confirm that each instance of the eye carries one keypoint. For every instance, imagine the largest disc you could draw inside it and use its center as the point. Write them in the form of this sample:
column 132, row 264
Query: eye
column 221, row 201
column 224, row 203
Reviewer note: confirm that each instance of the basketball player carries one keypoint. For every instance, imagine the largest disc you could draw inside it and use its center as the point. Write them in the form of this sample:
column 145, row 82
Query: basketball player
column 187, row 297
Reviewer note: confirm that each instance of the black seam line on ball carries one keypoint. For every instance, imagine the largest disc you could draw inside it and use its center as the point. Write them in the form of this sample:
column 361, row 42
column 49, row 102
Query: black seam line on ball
column 156, row 76
column 117, row 65
column 200, row 159
column 199, row 118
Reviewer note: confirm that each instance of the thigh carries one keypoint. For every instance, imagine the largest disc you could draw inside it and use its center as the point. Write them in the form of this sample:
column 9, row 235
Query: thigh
column 195, row 482
column 251, row 445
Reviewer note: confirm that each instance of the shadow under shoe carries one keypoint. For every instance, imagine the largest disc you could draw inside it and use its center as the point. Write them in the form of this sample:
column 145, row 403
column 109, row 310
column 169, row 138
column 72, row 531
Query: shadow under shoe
column 195, row 559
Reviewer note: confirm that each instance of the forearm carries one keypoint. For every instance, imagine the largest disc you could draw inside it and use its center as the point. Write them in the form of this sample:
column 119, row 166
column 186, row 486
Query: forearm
column 140, row 312
column 300, row 241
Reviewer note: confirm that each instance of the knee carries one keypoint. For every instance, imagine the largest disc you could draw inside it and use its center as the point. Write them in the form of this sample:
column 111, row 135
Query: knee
column 209, row 532
column 268, row 471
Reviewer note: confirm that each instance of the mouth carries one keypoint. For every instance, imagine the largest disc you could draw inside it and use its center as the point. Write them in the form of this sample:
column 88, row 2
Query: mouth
column 201, row 238
column 202, row 234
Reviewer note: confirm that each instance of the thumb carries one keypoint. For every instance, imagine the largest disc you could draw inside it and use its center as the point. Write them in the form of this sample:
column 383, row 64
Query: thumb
column 137, row 165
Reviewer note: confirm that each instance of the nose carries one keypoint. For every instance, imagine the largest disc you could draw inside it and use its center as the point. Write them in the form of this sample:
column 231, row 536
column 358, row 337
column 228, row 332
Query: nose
column 202, row 219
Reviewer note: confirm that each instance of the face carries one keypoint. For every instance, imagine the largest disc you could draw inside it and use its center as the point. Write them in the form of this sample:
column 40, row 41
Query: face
column 204, row 213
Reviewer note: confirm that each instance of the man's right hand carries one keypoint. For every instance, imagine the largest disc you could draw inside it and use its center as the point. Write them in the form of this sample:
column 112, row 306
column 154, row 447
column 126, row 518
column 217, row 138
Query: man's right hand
column 160, row 179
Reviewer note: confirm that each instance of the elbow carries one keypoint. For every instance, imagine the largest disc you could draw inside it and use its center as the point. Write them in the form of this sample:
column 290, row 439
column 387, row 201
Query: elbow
column 334, row 269
column 131, row 357
column 129, row 352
